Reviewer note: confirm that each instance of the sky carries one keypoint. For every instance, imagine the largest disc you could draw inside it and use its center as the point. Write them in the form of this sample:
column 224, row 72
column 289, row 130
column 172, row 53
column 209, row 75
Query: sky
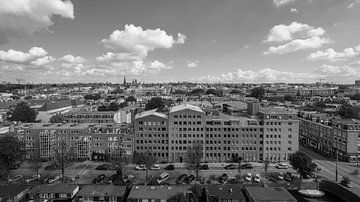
column 227, row 41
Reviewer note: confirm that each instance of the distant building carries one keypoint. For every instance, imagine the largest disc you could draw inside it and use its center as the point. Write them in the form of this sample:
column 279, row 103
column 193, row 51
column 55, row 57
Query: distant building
column 52, row 108
column 80, row 116
column 54, row 192
column 158, row 193
column 357, row 82
column 93, row 193
column 220, row 193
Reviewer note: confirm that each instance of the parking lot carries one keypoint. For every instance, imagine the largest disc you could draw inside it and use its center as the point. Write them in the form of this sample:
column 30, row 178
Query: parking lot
column 85, row 173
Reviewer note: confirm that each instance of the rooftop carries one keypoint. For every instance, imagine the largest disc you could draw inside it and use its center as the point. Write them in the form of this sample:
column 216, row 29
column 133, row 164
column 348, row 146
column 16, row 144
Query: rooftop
column 278, row 110
column 12, row 190
column 157, row 192
column 225, row 191
column 269, row 194
column 56, row 125
column 151, row 113
column 184, row 107
column 102, row 190
column 54, row 188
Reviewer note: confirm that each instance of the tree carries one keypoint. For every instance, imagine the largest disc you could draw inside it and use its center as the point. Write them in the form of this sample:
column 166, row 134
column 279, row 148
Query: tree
column 348, row 111
column 57, row 118
column 23, row 113
column 144, row 159
column 119, row 160
column 193, row 157
column 302, row 163
column 64, row 156
column 266, row 166
column 214, row 92
column 238, row 160
column 257, row 92
column 37, row 163
column 154, row 103
column 12, row 152
column 131, row 99
column 92, row 97
column 197, row 92
column 289, row 98
column 113, row 106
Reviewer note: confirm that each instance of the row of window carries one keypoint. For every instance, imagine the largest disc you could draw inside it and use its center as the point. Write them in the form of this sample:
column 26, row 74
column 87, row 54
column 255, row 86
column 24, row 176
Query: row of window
column 187, row 116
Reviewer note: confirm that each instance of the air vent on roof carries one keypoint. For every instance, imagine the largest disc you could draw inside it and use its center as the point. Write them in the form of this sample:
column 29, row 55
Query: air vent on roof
column 152, row 187
column 169, row 188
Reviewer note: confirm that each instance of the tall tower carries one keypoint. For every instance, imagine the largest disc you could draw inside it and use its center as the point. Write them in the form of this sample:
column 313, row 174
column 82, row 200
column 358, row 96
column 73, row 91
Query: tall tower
column 124, row 80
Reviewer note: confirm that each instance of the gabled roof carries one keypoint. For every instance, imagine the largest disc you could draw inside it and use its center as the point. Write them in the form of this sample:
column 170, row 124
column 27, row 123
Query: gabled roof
column 54, row 188
column 269, row 194
column 185, row 107
column 151, row 113
column 102, row 190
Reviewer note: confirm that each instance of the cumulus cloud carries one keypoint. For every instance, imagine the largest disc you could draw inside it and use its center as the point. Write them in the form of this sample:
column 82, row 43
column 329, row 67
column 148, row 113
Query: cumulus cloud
column 192, row 64
column 294, row 10
column 24, row 17
column 298, row 36
column 298, row 44
column 333, row 56
column 22, row 57
column 43, row 61
column 110, row 56
column 73, row 59
column 135, row 39
column 279, row 3
column 340, row 74
column 294, row 30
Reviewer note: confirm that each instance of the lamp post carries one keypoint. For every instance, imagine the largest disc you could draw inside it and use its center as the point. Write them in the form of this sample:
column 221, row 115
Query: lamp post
column 336, row 166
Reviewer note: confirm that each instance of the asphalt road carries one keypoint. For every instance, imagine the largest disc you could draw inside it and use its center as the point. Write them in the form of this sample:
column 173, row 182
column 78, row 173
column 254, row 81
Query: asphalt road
column 328, row 167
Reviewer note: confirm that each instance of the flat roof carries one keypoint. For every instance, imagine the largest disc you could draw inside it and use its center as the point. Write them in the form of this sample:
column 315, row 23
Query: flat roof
column 56, row 125
column 269, row 194
column 11, row 190
column 157, row 192
column 278, row 110
column 102, row 190
column 225, row 191
column 54, row 188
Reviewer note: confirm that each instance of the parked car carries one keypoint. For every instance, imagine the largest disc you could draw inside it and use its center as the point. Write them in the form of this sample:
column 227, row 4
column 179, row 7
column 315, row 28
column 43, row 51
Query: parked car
column 204, row 167
column 128, row 178
column 248, row 177
column 169, row 167
column 257, row 178
column 32, row 178
column 102, row 167
column 190, row 179
column 140, row 167
column 346, row 183
column 162, row 178
column 54, row 179
column 181, row 179
column 280, row 176
column 223, row 178
column 247, row 166
column 15, row 178
column 99, row 179
column 155, row 167
column 282, row 166
column 230, row 167
column 288, row 176
column 272, row 179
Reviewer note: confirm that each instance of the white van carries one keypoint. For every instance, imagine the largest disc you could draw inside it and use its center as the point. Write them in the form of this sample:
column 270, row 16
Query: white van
column 162, row 178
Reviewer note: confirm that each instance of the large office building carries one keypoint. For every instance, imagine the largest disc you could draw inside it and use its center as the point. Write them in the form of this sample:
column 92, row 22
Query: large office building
column 330, row 136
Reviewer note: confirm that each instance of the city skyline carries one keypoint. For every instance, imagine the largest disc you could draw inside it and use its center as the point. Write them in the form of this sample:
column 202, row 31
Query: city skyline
column 227, row 41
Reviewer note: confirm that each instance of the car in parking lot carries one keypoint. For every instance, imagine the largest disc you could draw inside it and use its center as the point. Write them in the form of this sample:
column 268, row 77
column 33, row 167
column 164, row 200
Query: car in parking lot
column 282, row 166
column 99, row 179
column 155, row 167
column 181, row 179
column 247, row 166
column 223, row 178
column 288, row 176
column 140, row 167
column 230, row 167
column 280, row 176
column 190, row 179
column 257, row 178
column 248, row 177
column 162, row 178
column 32, row 178
column 169, row 167
column 128, row 178
column 204, row 167
column 54, row 179
column 15, row 178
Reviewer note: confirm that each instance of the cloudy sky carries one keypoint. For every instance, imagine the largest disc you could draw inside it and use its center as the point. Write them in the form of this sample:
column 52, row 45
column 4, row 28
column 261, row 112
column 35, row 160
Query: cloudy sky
column 246, row 41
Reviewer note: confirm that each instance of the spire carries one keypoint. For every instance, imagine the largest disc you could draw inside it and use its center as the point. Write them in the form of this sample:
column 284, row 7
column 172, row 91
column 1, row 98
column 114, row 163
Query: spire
column 124, row 80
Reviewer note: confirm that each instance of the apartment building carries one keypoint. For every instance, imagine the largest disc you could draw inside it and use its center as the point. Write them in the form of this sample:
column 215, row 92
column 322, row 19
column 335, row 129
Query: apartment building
column 152, row 134
column 41, row 140
column 82, row 116
column 281, row 132
column 186, row 127
column 330, row 135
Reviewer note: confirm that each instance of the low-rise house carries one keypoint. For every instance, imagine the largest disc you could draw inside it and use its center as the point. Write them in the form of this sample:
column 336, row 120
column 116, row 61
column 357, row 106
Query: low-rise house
column 64, row 192
column 159, row 193
column 109, row 193
column 268, row 194
column 217, row 193
column 13, row 193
